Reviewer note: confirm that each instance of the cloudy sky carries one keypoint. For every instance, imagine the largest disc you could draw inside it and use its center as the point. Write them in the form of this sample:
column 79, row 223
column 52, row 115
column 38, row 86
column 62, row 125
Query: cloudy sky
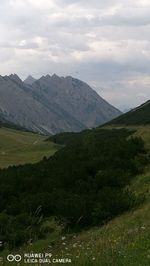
column 103, row 42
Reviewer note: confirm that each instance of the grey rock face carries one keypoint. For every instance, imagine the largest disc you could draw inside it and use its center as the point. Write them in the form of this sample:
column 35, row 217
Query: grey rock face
column 53, row 104
column 29, row 80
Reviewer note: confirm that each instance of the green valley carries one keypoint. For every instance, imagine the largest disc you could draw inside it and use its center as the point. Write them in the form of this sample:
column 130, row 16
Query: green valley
column 125, row 240
column 19, row 147
column 89, row 202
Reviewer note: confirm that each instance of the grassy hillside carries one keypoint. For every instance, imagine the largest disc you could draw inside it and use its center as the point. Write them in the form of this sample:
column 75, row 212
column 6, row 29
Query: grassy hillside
column 137, row 116
column 125, row 240
column 8, row 124
column 119, row 241
column 78, row 188
column 19, row 147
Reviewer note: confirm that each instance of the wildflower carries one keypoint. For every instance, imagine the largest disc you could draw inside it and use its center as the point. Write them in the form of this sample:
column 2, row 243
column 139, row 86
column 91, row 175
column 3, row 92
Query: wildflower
column 143, row 227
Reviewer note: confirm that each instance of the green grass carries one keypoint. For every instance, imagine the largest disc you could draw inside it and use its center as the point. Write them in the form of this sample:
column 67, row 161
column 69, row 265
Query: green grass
column 18, row 147
column 137, row 116
column 140, row 131
column 123, row 241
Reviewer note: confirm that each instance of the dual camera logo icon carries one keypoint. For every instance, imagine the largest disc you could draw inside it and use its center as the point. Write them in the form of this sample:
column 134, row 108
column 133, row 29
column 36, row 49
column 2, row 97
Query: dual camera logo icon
column 12, row 258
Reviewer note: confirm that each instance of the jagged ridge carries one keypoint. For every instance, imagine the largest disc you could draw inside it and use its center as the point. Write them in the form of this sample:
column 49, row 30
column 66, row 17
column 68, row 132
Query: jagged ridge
column 53, row 104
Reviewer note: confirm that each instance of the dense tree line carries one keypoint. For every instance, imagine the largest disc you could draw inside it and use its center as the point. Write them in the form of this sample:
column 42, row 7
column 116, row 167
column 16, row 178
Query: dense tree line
column 85, row 183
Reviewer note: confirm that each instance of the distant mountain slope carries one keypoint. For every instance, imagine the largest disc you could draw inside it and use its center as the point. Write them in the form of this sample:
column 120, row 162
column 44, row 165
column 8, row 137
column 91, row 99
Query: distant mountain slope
column 2, row 120
column 53, row 104
column 137, row 116
column 29, row 80
column 74, row 97
column 5, row 123
column 19, row 106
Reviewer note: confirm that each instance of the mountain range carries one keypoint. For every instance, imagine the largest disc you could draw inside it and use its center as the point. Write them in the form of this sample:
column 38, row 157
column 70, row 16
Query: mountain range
column 52, row 104
column 97, row 179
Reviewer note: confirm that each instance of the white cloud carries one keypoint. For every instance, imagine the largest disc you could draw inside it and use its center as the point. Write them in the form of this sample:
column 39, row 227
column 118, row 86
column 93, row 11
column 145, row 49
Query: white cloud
column 105, row 43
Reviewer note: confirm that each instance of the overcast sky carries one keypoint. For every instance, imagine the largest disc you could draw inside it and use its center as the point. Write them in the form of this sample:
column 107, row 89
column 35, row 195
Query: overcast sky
column 103, row 42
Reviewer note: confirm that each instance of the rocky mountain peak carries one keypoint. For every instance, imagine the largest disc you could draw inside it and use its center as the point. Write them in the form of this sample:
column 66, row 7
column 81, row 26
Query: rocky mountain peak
column 15, row 77
column 29, row 80
column 53, row 104
column 54, row 76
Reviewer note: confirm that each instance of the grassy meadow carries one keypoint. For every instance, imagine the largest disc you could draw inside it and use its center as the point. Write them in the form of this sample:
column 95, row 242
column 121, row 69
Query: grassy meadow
column 123, row 241
column 19, row 147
